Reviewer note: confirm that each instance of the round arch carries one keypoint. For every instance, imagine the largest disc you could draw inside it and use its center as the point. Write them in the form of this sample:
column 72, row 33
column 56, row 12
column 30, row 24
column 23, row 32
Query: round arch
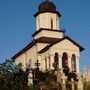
column 65, row 60
column 73, row 62
column 56, row 60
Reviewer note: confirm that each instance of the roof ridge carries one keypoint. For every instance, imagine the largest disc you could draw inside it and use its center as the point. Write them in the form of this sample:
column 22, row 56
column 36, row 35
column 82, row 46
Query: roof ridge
column 65, row 37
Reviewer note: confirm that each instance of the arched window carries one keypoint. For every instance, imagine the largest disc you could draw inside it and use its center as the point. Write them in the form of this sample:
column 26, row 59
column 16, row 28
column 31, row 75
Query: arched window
column 57, row 22
column 51, row 23
column 56, row 61
column 65, row 60
column 73, row 62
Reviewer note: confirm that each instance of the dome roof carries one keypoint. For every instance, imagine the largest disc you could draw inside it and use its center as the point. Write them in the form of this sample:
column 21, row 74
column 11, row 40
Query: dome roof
column 47, row 6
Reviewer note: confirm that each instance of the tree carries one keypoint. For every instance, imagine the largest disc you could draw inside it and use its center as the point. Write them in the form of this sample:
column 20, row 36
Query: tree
column 12, row 77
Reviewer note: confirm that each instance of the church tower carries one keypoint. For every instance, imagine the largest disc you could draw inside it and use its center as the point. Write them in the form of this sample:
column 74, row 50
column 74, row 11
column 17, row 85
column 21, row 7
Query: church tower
column 47, row 16
column 47, row 19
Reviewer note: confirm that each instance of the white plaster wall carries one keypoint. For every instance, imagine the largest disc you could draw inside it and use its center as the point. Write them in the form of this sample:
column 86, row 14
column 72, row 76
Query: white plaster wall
column 26, row 56
column 41, row 45
column 51, row 34
column 30, row 55
column 40, row 58
column 60, row 48
column 43, row 55
column 21, row 59
column 38, row 35
column 43, row 20
column 69, row 48
column 66, row 46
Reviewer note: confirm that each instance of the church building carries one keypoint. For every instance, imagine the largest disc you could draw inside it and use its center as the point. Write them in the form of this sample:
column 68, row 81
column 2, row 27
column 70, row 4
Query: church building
column 50, row 46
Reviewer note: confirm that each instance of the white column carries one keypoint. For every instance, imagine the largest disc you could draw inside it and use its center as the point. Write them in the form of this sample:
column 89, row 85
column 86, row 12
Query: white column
column 42, row 63
column 77, row 65
column 60, row 61
column 52, row 61
column 69, row 63
column 47, row 63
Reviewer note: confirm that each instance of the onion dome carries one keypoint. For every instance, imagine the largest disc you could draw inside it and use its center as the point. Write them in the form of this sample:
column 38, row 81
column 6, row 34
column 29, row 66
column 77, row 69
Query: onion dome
column 47, row 6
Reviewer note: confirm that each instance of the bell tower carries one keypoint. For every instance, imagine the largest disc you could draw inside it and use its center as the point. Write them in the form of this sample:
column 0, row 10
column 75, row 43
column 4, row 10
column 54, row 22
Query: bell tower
column 47, row 16
column 47, row 21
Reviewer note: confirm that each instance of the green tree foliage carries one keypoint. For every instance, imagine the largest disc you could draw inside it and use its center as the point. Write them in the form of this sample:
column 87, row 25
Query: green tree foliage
column 12, row 77
column 70, row 75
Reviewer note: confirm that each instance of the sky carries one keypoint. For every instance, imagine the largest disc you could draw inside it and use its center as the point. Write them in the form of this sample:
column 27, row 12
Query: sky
column 17, row 24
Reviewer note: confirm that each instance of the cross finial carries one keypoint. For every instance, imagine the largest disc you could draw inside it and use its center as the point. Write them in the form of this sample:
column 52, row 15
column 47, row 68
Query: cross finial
column 37, row 64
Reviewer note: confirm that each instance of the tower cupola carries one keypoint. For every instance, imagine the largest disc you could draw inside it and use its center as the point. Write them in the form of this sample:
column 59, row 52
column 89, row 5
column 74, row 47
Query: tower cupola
column 47, row 6
column 47, row 21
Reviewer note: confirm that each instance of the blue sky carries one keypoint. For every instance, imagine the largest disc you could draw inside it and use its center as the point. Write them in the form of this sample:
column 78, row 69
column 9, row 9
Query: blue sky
column 17, row 24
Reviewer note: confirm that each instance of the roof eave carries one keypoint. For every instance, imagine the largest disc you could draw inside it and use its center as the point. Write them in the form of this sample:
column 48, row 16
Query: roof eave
column 56, row 12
